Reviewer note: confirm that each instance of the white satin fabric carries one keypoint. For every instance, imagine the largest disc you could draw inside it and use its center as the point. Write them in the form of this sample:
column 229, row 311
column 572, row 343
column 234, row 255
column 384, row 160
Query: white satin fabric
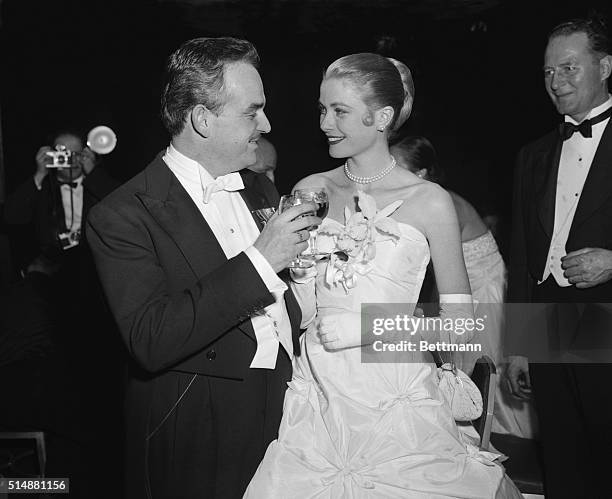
column 371, row 430
column 487, row 275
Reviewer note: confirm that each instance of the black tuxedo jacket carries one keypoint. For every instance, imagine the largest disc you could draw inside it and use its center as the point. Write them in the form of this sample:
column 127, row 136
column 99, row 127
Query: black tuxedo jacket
column 44, row 207
column 534, row 211
column 182, row 307
column 540, row 332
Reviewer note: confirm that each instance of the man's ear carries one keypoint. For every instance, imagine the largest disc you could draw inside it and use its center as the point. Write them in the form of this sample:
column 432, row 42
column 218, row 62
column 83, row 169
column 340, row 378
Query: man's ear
column 384, row 117
column 201, row 120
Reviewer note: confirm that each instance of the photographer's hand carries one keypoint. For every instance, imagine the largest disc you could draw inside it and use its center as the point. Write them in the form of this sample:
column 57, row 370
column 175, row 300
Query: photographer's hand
column 42, row 160
column 88, row 160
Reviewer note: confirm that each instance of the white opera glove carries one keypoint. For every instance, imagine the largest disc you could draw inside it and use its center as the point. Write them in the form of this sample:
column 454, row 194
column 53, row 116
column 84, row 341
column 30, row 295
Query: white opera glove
column 340, row 330
column 303, row 276
column 457, row 314
column 303, row 287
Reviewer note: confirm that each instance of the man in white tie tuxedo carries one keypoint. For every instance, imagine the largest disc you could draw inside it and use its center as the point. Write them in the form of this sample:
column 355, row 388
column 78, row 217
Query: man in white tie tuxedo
column 562, row 254
column 195, row 283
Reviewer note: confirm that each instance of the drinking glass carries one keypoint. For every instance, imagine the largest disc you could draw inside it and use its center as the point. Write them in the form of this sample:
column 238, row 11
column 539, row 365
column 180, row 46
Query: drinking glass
column 317, row 195
column 286, row 202
column 263, row 215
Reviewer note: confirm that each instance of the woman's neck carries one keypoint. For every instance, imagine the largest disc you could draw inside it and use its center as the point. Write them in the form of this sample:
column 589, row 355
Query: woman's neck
column 370, row 162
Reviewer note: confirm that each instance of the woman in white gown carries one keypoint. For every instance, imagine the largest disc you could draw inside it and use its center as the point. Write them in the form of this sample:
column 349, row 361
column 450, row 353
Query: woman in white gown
column 487, row 276
column 353, row 428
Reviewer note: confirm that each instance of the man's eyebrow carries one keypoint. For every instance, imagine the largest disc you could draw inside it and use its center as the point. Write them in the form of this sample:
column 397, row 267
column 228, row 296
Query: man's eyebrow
column 255, row 106
column 565, row 62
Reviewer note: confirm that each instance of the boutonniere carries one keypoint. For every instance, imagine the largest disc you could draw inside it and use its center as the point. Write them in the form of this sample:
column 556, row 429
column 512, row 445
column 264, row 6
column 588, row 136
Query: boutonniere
column 355, row 242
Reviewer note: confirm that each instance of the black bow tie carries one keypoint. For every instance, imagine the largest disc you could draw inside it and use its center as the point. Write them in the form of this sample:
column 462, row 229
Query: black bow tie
column 585, row 128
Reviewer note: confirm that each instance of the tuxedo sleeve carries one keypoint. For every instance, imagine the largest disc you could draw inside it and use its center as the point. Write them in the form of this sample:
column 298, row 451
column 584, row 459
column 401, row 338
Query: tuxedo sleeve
column 518, row 274
column 160, row 326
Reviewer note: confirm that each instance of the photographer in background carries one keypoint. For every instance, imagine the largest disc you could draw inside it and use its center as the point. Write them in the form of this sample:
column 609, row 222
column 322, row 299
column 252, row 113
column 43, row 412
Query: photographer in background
column 49, row 210
column 57, row 198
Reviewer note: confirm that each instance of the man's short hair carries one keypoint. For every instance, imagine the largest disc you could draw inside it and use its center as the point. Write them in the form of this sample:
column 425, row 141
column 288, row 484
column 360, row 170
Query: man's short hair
column 195, row 75
column 593, row 27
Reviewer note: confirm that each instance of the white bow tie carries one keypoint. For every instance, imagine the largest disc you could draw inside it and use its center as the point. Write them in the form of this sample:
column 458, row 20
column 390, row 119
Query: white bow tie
column 229, row 182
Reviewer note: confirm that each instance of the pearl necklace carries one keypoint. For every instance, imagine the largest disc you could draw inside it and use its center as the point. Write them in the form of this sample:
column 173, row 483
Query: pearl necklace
column 368, row 180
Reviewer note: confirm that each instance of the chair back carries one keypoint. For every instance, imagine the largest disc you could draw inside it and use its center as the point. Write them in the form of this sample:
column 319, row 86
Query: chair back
column 484, row 377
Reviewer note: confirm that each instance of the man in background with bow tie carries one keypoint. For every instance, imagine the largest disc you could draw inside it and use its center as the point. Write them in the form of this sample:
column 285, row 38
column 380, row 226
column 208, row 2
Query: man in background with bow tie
column 192, row 278
column 57, row 200
column 61, row 296
column 562, row 254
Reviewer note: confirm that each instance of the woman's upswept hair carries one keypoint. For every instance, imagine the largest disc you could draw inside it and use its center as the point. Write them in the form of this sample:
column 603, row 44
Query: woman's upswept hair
column 418, row 153
column 381, row 81
column 195, row 75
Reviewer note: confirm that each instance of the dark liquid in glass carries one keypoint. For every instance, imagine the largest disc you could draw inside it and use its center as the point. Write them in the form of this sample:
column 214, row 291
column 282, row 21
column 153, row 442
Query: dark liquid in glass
column 321, row 212
column 322, row 209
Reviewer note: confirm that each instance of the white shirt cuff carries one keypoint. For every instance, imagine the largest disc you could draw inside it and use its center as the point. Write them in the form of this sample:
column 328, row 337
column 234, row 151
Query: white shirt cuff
column 455, row 298
column 275, row 284
column 37, row 183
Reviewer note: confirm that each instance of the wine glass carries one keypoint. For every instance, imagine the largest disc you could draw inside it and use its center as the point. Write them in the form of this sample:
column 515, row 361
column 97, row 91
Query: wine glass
column 286, row 202
column 317, row 195
column 264, row 214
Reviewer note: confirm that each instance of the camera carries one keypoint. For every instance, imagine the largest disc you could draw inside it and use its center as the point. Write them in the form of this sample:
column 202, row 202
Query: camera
column 69, row 240
column 62, row 157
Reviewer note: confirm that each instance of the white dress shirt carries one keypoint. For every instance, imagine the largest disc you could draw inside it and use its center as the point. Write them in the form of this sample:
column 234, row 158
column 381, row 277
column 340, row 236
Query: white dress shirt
column 577, row 154
column 232, row 224
column 72, row 202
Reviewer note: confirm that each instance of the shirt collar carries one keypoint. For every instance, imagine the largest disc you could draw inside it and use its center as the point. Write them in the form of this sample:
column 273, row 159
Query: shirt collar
column 195, row 173
column 594, row 112
column 188, row 168
column 78, row 181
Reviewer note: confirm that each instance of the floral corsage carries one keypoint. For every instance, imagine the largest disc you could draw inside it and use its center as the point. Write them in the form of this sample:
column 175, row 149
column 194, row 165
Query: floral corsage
column 355, row 242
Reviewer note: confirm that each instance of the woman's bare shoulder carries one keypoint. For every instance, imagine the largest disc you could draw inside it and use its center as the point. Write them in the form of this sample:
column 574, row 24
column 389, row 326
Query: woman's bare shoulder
column 424, row 202
column 426, row 193
column 328, row 179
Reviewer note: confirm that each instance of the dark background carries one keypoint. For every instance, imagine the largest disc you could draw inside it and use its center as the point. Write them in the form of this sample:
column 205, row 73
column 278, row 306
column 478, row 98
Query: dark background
column 80, row 63
column 476, row 65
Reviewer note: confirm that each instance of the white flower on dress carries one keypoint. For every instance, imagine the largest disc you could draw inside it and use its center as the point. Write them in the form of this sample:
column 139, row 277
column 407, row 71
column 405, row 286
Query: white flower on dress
column 355, row 242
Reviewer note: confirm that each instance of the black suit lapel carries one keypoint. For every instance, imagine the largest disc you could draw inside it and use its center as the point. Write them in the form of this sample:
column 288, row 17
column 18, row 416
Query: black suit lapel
column 170, row 205
column 597, row 187
column 254, row 196
column 545, row 179
column 55, row 205
column 294, row 311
